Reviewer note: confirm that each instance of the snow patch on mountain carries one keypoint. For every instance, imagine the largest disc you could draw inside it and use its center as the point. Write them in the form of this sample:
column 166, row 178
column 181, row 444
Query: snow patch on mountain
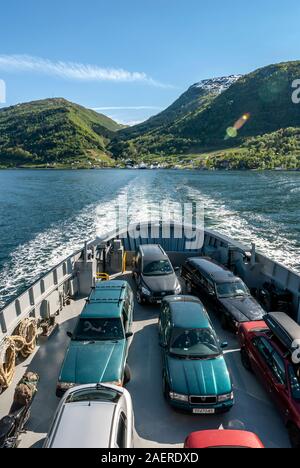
column 217, row 85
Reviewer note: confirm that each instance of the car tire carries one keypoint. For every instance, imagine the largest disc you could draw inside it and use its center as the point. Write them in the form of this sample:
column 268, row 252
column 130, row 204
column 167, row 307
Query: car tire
column 166, row 389
column 294, row 434
column 189, row 288
column 246, row 360
column 226, row 410
column 127, row 374
column 139, row 298
column 224, row 322
column 135, row 277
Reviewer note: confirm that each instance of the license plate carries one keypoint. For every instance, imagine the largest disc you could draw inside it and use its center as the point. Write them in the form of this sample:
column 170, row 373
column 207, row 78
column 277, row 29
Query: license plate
column 203, row 411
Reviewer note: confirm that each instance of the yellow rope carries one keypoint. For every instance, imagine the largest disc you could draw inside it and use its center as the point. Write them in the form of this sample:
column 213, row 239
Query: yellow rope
column 7, row 362
column 23, row 342
column 27, row 331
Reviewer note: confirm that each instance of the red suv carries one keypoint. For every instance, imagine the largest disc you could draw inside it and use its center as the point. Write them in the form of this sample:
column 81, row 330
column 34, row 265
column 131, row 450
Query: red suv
column 268, row 349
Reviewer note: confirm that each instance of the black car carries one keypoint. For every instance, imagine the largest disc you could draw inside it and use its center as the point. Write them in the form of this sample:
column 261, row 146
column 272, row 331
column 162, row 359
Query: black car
column 222, row 289
column 154, row 274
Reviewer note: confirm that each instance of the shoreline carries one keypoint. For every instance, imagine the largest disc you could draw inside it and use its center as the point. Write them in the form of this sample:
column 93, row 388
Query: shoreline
column 68, row 168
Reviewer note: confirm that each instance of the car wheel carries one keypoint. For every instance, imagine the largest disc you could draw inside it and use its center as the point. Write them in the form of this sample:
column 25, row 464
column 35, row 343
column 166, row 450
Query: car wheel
column 127, row 374
column 139, row 297
column 166, row 388
column 245, row 360
column 294, row 434
column 224, row 322
column 226, row 410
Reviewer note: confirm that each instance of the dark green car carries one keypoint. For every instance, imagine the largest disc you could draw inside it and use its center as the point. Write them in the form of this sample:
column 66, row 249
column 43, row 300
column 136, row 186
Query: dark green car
column 195, row 374
column 99, row 345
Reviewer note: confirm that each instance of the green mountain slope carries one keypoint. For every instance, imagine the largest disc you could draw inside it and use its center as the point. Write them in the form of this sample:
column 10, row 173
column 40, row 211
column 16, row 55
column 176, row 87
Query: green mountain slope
column 264, row 96
column 197, row 97
column 54, row 131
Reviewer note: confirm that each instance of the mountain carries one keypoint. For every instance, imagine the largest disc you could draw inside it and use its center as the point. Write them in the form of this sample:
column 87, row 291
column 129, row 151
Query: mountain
column 54, row 132
column 193, row 100
column 224, row 117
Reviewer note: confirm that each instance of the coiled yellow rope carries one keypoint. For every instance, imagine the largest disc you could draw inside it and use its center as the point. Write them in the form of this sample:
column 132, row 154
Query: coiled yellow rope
column 27, row 332
column 23, row 342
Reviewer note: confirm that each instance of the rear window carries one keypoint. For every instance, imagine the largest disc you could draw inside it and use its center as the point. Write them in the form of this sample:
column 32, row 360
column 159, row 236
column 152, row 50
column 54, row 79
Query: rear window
column 92, row 394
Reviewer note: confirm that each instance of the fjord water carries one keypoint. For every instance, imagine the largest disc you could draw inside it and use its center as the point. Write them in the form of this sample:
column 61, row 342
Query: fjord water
column 47, row 215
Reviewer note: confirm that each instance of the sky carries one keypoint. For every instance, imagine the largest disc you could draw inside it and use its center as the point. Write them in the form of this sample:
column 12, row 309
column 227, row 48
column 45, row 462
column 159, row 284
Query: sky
column 129, row 59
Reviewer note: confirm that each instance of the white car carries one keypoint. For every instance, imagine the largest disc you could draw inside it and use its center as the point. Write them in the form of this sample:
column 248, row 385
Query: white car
column 93, row 416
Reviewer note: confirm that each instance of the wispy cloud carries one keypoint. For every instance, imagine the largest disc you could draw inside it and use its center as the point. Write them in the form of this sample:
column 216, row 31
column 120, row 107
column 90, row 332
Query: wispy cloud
column 130, row 123
column 73, row 70
column 127, row 108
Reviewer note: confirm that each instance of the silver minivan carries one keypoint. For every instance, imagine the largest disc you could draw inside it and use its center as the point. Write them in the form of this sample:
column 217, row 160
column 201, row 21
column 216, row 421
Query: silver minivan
column 93, row 416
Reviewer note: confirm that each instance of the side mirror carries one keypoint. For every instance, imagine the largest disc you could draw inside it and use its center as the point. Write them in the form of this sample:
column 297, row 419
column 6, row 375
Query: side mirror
column 70, row 335
column 128, row 335
column 224, row 345
column 177, row 269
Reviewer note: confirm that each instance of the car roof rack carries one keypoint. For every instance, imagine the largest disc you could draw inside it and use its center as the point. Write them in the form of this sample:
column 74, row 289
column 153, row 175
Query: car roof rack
column 286, row 330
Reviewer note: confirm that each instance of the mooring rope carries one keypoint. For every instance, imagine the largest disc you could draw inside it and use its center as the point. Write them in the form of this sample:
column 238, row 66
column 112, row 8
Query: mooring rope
column 23, row 342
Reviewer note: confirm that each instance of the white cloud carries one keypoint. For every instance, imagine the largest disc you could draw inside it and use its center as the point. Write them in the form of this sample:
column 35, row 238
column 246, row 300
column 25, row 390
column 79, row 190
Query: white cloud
column 2, row 92
column 72, row 70
column 129, row 123
column 127, row 108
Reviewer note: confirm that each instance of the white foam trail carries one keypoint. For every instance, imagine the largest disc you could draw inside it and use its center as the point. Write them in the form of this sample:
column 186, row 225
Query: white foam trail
column 231, row 223
column 33, row 259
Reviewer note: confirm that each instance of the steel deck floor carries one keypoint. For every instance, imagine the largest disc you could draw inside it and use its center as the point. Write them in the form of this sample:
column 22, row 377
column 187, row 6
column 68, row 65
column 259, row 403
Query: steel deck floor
column 156, row 423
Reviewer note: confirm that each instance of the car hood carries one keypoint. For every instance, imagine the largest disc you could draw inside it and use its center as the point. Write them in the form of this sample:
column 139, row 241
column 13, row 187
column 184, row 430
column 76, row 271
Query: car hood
column 167, row 283
column 243, row 309
column 199, row 377
column 87, row 363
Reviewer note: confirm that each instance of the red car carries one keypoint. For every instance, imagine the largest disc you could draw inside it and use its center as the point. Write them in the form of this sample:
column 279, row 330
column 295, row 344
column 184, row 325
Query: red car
column 223, row 439
column 268, row 349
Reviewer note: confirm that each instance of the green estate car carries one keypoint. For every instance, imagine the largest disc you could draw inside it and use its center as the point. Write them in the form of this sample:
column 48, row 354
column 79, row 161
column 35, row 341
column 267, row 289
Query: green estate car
column 99, row 345
column 195, row 374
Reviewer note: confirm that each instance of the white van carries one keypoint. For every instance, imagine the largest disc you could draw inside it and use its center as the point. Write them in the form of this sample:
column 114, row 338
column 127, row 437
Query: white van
column 93, row 416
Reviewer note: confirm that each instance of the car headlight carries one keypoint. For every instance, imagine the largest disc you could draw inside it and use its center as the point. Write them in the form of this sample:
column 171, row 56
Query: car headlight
column 64, row 386
column 226, row 397
column 146, row 291
column 179, row 397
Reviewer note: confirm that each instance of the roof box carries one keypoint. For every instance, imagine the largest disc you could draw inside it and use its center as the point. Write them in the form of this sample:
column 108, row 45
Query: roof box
column 284, row 328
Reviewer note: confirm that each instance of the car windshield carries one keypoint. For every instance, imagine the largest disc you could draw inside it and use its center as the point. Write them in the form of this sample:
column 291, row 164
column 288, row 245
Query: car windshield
column 158, row 268
column 90, row 329
column 92, row 394
column 294, row 374
column 237, row 288
column 201, row 343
